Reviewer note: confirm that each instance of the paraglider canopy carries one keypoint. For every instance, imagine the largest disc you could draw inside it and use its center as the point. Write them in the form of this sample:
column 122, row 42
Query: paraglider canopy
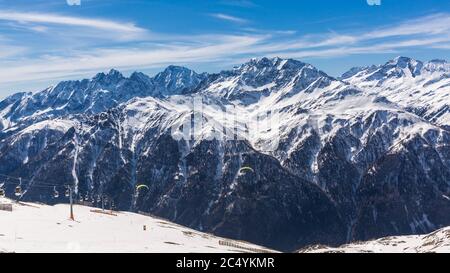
column 139, row 188
column 245, row 170
column 142, row 186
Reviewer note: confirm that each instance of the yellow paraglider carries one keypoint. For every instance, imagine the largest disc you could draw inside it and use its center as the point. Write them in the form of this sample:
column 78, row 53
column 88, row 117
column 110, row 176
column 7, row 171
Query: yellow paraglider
column 139, row 188
column 246, row 169
column 142, row 186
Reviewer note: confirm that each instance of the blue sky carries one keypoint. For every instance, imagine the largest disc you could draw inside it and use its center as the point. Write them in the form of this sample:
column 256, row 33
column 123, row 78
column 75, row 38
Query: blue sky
column 45, row 41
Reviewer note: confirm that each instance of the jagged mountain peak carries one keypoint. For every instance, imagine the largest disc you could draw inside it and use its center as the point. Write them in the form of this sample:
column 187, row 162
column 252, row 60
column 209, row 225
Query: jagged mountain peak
column 177, row 69
column 417, row 67
column 139, row 76
column 403, row 66
column 100, row 93
column 357, row 69
column 113, row 76
column 398, row 67
column 262, row 77
column 114, row 73
column 273, row 69
column 403, row 61
column 175, row 80
column 437, row 65
column 438, row 61
column 177, row 75
column 420, row 87
column 262, row 62
column 276, row 63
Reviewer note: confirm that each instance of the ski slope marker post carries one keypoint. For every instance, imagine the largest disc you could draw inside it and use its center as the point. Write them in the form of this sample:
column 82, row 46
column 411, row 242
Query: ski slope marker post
column 71, row 217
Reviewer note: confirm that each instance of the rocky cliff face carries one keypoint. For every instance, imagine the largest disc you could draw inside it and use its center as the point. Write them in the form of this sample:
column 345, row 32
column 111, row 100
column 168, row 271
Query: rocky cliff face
column 342, row 163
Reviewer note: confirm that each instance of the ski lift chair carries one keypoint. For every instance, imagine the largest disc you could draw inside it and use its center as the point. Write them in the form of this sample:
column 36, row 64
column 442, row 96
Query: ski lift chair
column 55, row 193
column 18, row 191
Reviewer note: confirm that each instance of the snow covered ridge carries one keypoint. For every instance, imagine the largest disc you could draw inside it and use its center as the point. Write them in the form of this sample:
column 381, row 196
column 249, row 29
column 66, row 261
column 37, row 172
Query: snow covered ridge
column 423, row 88
column 344, row 162
column 436, row 242
column 39, row 228
column 102, row 92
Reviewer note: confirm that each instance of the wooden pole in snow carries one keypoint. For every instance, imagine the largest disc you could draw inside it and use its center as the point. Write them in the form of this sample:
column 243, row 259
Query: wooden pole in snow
column 71, row 204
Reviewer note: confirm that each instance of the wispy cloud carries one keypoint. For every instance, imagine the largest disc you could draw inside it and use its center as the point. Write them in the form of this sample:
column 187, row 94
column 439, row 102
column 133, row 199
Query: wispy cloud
column 7, row 51
column 428, row 25
column 426, row 32
column 442, row 46
column 48, row 18
column 229, row 18
column 52, row 67
column 431, row 31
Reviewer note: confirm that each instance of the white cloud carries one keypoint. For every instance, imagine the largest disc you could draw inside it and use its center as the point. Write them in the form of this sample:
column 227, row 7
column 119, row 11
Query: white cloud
column 7, row 51
column 229, row 18
column 428, row 25
column 427, row 32
column 39, row 28
column 442, row 46
column 47, row 18
column 124, row 58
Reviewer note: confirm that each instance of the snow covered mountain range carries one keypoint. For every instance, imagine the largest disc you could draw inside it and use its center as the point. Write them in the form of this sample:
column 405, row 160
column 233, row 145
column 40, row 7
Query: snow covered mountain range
column 419, row 87
column 355, row 158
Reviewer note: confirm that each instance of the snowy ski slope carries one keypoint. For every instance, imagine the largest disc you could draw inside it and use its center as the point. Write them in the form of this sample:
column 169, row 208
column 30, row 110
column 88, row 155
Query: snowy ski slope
column 41, row 228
